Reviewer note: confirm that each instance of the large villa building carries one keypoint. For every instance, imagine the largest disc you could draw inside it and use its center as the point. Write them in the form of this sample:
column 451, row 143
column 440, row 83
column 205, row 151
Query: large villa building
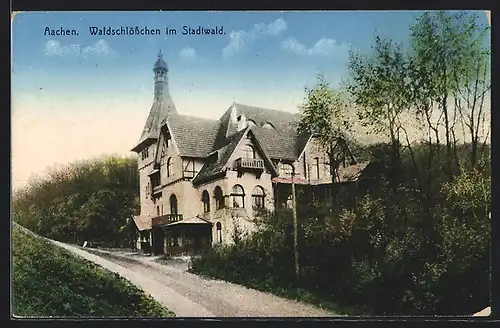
column 201, row 179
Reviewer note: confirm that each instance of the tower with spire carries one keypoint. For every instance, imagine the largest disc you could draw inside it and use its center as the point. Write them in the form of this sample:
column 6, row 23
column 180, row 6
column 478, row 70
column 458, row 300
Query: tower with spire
column 162, row 107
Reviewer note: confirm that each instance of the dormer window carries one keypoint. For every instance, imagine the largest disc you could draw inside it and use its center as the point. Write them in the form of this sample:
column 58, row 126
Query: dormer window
column 268, row 125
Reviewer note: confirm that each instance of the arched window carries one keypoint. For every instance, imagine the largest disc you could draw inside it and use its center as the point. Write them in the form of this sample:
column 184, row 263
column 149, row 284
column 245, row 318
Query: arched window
column 173, row 204
column 248, row 152
column 169, row 167
column 219, row 198
column 205, row 198
column 258, row 195
column 219, row 232
column 286, row 170
column 238, row 197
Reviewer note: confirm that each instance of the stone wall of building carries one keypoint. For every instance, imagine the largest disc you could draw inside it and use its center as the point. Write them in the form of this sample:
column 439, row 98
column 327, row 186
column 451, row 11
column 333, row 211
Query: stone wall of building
column 306, row 165
column 144, row 167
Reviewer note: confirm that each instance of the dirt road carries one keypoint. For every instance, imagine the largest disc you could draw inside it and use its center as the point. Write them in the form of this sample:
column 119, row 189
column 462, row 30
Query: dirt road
column 189, row 295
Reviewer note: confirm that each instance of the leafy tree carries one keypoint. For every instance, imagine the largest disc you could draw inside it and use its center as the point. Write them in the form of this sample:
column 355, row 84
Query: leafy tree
column 89, row 200
column 450, row 74
column 325, row 116
column 378, row 85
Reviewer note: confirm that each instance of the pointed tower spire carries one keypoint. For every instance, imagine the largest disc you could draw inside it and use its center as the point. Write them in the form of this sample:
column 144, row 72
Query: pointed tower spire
column 163, row 104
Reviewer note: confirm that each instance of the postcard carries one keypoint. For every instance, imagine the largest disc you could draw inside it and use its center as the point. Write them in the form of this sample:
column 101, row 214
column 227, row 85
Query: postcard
column 251, row 164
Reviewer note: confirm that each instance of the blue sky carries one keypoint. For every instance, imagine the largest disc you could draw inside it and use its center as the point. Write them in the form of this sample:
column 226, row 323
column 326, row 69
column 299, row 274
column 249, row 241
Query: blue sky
column 262, row 62
column 61, row 83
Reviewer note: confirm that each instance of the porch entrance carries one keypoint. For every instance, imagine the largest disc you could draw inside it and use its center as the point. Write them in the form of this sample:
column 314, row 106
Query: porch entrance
column 188, row 237
column 158, row 240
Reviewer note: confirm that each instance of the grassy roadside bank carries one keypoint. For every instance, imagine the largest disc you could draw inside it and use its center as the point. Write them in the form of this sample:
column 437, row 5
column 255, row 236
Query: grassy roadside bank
column 49, row 281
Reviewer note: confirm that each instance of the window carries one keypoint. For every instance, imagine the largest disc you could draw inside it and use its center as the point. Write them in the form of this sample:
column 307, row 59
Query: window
column 286, row 170
column 173, row 204
column 188, row 168
column 155, row 179
column 219, row 232
column 169, row 141
column 219, row 198
column 205, row 198
column 238, row 197
column 248, row 152
column 316, row 167
column 161, row 209
column 305, row 166
column 145, row 153
column 169, row 167
column 158, row 210
column 163, row 149
column 258, row 196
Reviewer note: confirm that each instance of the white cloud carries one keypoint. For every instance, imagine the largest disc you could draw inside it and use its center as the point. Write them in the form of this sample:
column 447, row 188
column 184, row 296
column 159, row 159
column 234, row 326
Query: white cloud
column 187, row 53
column 54, row 48
column 100, row 48
column 237, row 39
column 323, row 47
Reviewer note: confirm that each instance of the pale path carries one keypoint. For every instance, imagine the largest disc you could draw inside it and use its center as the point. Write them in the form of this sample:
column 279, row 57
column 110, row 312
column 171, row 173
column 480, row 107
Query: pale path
column 189, row 295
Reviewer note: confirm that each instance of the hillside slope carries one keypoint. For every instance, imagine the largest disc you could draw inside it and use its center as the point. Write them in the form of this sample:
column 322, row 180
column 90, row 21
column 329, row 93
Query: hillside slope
column 48, row 281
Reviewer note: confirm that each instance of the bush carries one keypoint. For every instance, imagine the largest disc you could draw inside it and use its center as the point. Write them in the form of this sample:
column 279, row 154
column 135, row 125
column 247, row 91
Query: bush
column 420, row 251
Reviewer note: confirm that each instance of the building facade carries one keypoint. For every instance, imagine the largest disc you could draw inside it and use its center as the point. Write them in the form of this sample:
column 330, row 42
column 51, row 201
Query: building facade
column 202, row 181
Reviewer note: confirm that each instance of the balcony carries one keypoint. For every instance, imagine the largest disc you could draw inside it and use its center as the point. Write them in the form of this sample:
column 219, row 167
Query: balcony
column 166, row 219
column 249, row 163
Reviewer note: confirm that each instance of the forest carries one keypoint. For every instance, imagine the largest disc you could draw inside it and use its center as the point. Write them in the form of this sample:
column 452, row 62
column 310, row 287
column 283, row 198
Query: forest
column 413, row 234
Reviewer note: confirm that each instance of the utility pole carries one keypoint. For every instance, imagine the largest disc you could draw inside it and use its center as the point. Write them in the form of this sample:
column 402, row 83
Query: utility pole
column 295, row 229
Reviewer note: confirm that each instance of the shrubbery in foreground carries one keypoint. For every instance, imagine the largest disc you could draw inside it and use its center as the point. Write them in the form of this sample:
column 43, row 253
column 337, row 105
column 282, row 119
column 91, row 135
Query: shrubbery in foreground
column 385, row 253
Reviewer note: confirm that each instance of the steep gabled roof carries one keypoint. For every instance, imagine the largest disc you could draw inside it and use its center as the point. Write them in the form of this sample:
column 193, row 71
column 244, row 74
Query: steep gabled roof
column 261, row 149
column 223, row 131
column 159, row 112
column 193, row 136
column 280, row 142
column 223, row 155
column 279, row 119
